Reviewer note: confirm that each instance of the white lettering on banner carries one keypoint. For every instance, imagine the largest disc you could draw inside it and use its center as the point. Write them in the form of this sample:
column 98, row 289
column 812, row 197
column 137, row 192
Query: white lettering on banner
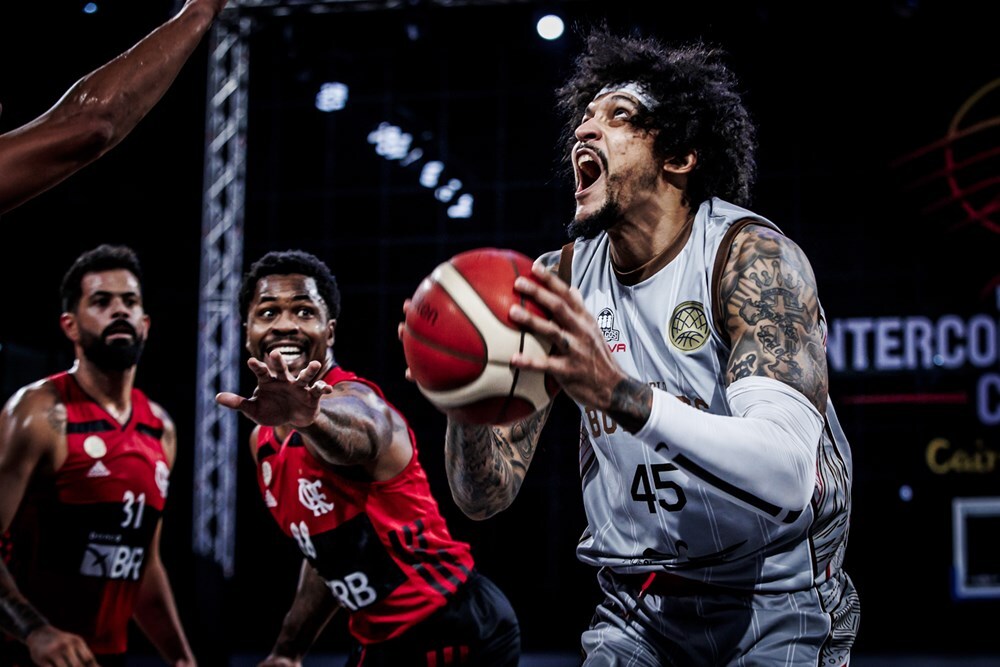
column 893, row 344
column 886, row 344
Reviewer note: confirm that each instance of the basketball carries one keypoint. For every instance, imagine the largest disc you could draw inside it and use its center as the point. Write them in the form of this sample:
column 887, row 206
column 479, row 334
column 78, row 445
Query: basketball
column 458, row 339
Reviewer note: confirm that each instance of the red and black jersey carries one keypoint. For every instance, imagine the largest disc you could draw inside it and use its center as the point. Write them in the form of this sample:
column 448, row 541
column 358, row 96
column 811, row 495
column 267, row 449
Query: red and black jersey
column 78, row 544
column 382, row 546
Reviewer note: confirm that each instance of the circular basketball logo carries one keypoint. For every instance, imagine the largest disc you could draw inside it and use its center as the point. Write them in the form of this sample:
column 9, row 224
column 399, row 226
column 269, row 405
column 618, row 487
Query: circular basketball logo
column 95, row 447
column 688, row 326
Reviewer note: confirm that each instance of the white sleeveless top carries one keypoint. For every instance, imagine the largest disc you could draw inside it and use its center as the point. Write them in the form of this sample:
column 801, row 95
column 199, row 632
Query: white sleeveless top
column 645, row 514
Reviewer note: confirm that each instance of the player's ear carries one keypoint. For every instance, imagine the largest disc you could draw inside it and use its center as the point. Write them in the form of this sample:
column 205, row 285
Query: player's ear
column 681, row 164
column 331, row 328
column 67, row 321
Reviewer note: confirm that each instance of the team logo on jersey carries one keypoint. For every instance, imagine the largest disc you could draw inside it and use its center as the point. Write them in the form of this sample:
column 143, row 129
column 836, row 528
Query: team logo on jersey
column 269, row 499
column 312, row 497
column 266, row 472
column 689, row 326
column 112, row 561
column 98, row 470
column 606, row 321
column 95, row 447
column 162, row 477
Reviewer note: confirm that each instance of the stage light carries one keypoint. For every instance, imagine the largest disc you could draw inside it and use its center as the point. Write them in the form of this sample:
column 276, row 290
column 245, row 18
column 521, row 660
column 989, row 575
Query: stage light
column 550, row 27
column 390, row 141
column 430, row 173
column 444, row 193
column 462, row 208
column 331, row 97
column 90, row 8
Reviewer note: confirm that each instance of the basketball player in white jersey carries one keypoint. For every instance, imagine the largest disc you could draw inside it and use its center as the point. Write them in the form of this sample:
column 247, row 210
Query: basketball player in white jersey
column 716, row 477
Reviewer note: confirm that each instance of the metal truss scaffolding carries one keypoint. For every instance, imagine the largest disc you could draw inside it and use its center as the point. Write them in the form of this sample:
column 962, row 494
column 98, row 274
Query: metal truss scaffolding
column 218, row 310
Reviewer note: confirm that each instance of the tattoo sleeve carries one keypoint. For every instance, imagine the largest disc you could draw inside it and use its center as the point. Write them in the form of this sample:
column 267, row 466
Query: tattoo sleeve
column 772, row 314
column 352, row 429
column 486, row 464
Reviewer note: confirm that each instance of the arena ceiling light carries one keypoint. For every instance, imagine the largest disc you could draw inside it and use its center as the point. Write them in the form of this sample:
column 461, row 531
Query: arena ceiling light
column 332, row 96
column 550, row 27
column 392, row 143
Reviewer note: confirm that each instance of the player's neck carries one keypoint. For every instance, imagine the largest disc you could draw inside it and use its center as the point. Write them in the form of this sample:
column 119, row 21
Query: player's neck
column 652, row 236
column 111, row 389
column 328, row 364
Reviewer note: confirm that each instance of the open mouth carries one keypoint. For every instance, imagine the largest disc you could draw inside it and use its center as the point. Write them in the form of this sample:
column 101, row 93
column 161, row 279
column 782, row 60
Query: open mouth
column 588, row 167
column 290, row 352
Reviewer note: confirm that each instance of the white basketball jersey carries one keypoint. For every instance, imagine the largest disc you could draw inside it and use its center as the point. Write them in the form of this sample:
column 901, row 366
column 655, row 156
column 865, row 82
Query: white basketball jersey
column 643, row 512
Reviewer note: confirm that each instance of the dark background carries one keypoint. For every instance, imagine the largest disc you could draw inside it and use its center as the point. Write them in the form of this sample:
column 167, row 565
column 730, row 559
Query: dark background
column 854, row 102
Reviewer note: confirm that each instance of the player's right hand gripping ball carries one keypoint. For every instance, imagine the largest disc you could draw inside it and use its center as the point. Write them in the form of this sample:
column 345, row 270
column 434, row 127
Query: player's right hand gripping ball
column 458, row 339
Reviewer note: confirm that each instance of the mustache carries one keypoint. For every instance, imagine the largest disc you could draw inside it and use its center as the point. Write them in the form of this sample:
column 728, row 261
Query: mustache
column 121, row 326
column 597, row 151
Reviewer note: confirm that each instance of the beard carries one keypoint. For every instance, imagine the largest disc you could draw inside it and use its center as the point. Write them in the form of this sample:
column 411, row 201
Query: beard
column 589, row 226
column 118, row 355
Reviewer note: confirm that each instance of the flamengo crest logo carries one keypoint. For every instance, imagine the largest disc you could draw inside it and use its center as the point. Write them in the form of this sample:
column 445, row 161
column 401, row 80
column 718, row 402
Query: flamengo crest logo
column 312, row 497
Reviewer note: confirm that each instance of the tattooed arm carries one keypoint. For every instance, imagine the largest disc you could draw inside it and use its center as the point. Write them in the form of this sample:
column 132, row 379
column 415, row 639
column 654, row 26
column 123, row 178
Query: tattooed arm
column 357, row 427
column 351, row 427
column 772, row 314
column 32, row 444
column 486, row 464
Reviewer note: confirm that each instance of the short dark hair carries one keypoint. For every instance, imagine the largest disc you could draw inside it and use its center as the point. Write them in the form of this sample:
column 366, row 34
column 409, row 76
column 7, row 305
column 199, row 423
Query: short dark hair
column 287, row 262
column 699, row 106
column 105, row 257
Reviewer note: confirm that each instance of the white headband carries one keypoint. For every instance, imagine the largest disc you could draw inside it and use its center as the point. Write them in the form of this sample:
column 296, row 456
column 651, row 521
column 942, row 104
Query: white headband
column 633, row 88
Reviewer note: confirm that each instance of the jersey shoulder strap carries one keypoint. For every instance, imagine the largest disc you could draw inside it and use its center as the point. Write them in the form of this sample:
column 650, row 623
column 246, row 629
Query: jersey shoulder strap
column 566, row 262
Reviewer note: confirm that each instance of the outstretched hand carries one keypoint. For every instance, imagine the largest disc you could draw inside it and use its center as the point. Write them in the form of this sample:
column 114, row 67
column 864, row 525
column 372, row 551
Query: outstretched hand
column 280, row 398
column 580, row 360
